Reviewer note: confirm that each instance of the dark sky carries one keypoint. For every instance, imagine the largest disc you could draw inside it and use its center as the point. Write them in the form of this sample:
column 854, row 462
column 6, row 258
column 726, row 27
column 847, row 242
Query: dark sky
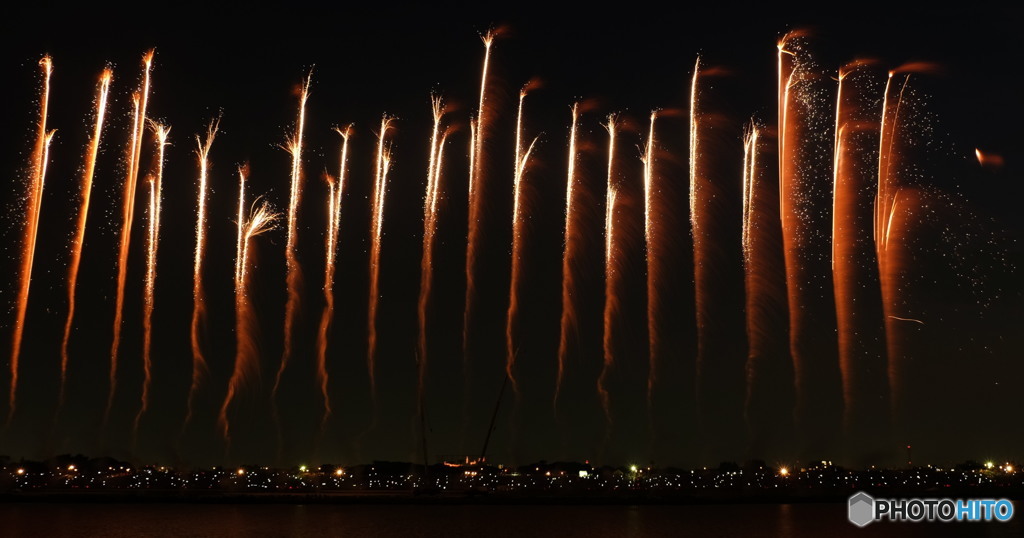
column 248, row 64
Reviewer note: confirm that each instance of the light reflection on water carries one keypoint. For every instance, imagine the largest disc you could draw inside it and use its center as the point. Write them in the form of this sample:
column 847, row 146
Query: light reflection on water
column 454, row 520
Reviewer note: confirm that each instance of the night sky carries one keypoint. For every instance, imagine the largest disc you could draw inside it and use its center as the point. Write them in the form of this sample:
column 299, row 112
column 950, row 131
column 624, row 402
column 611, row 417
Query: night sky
column 965, row 284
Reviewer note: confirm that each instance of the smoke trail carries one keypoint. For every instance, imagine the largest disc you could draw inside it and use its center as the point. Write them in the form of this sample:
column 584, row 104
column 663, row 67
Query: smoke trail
column 379, row 190
column 650, row 191
column 569, row 321
column 437, row 139
column 199, row 367
column 611, row 302
column 854, row 265
column 128, row 210
column 34, row 199
column 479, row 130
column 83, row 214
column 336, row 189
column 512, row 322
column 294, row 278
column 806, row 139
column 261, row 219
column 151, row 248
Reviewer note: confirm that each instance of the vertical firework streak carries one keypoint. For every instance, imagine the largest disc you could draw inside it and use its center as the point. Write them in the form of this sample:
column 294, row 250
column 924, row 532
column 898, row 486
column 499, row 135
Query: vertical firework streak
column 768, row 400
column 854, row 267
column 294, row 277
column 512, row 319
column 478, row 134
column 83, row 214
column 379, row 191
column 610, row 273
column 199, row 367
column 806, row 137
column 568, row 322
column 650, row 190
column 128, row 211
column 429, row 229
column 246, row 370
column 34, row 200
column 152, row 243
column 886, row 201
column 335, row 190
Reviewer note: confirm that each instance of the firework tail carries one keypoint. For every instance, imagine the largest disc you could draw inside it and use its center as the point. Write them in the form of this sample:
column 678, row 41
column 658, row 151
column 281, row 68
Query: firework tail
column 199, row 366
column 805, row 173
column 568, row 324
column 512, row 319
column 152, row 244
column 294, row 278
column 140, row 101
column 890, row 196
column 479, row 130
column 429, row 229
column 650, row 193
column 34, row 199
column 246, row 369
column 336, row 189
column 854, row 266
column 610, row 274
column 102, row 93
column 769, row 374
column 381, row 168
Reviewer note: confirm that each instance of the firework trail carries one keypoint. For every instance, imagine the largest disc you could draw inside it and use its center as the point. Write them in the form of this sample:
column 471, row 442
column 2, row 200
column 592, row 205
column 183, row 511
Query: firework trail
column 610, row 300
column 128, row 210
column 379, row 190
column 890, row 188
column 806, row 139
column 854, row 267
column 768, row 373
column 83, row 214
column 335, row 190
column 569, row 254
column 294, row 278
column 522, row 158
column 199, row 367
column 437, row 139
column 478, row 134
column 151, row 248
column 650, row 190
column 34, row 199
column 247, row 370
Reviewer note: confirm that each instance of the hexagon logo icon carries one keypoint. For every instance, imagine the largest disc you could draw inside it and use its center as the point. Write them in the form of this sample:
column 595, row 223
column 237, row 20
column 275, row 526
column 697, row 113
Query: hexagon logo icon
column 861, row 509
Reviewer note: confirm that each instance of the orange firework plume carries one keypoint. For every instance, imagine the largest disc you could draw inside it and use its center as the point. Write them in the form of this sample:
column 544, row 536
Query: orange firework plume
column 768, row 402
column 437, row 139
column 522, row 158
column 199, row 368
column 34, row 200
column 887, row 200
column 261, row 219
column 569, row 321
column 478, row 134
column 83, row 214
column 855, row 271
column 128, row 211
column 806, row 139
column 294, row 278
column 336, row 188
column 650, row 190
column 610, row 300
column 380, row 185
column 151, row 248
